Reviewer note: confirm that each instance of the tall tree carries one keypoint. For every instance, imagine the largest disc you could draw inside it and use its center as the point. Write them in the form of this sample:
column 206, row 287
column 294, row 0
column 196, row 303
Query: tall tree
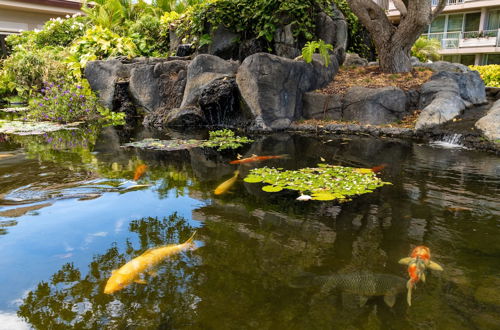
column 394, row 42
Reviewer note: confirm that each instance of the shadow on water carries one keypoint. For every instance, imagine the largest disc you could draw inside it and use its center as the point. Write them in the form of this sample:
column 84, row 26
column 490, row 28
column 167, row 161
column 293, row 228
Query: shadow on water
column 254, row 244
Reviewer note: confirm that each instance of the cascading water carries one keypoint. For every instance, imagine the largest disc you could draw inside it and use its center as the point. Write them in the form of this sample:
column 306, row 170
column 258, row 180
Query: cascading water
column 452, row 141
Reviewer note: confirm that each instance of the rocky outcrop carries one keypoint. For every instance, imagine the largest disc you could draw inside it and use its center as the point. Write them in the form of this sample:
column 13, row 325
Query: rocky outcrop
column 447, row 94
column 102, row 76
column 202, row 71
column 224, row 43
column 285, row 44
column 322, row 106
column 272, row 87
column 490, row 124
column 374, row 105
column 178, row 117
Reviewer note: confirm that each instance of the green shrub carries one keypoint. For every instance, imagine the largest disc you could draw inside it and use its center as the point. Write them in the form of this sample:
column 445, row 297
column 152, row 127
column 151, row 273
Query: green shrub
column 65, row 103
column 150, row 36
column 489, row 73
column 61, row 32
column 322, row 47
column 426, row 49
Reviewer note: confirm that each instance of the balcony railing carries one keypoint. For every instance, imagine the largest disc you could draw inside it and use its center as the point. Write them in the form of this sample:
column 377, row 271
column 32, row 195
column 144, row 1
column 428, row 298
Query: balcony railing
column 454, row 40
column 448, row 2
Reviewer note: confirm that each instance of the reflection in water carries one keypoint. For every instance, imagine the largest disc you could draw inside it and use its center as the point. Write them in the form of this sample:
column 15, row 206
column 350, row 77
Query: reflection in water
column 72, row 299
column 255, row 243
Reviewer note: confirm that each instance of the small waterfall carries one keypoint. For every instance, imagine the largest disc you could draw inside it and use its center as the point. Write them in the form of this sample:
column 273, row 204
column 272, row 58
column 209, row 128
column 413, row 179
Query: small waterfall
column 452, row 141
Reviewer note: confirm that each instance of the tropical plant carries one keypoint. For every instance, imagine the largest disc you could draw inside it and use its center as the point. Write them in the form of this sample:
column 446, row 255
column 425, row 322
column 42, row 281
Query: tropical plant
column 426, row 49
column 322, row 47
column 489, row 73
column 60, row 32
column 225, row 139
column 149, row 36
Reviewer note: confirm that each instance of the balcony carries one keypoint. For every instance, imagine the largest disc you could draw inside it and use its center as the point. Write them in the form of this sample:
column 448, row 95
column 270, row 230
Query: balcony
column 470, row 39
column 450, row 2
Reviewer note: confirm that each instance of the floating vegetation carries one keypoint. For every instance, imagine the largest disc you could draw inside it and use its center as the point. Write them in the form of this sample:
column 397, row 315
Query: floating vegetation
column 222, row 139
column 32, row 128
column 225, row 139
column 14, row 110
column 323, row 183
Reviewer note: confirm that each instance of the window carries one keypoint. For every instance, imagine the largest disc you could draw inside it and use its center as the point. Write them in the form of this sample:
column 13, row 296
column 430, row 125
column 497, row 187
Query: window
column 451, row 58
column 492, row 59
column 493, row 20
column 438, row 24
column 472, row 22
column 3, row 46
column 468, row 59
column 455, row 23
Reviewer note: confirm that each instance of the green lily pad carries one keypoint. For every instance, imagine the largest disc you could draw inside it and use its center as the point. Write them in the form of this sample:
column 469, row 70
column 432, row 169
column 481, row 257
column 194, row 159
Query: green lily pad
column 324, row 196
column 272, row 188
column 253, row 179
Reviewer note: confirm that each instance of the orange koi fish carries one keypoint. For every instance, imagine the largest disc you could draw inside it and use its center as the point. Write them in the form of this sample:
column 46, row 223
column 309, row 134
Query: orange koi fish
column 377, row 169
column 132, row 270
column 139, row 171
column 224, row 186
column 255, row 158
column 418, row 261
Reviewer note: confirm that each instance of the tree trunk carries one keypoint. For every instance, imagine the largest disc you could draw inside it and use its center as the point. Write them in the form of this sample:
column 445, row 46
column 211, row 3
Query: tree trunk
column 394, row 59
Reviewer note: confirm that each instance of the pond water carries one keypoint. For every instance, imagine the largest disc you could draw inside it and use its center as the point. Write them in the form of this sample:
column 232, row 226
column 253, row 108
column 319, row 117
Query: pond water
column 70, row 213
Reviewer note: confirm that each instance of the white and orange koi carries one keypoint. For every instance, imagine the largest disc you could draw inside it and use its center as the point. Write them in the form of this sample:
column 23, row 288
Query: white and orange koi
column 132, row 270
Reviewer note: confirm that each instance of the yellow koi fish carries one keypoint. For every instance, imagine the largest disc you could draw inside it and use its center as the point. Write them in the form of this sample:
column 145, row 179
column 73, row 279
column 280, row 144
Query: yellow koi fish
column 132, row 270
column 224, row 186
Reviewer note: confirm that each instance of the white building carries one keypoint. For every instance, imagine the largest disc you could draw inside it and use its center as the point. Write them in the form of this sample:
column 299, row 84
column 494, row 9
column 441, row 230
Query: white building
column 467, row 29
column 23, row 15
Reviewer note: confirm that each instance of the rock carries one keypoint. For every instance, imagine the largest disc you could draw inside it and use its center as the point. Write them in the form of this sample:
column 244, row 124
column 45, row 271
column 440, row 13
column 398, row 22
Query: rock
column 444, row 107
column 341, row 33
column 470, row 85
column 179, row 117
column 122, row 102
column 224, row 43
column 284, row 42
column 374, row 106
column 185, row 50
column 219, row 102
column 444, row 66
column 414, row 61
column 322, row 106
column 490, row 124
column 102, row 76
column 374, row 63
column 162, row 84
column 352, row 59
column 250, row 47
column 430, row 89
column 326, row 29
column 272, row 87
column 203, row 70
column 174, row 40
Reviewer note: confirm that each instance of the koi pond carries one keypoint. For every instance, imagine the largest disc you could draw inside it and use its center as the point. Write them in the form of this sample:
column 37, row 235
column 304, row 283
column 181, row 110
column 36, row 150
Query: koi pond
column 76, row 205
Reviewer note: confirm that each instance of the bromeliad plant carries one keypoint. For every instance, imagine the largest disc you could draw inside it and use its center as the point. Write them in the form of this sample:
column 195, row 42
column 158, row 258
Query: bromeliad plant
column 324, row 183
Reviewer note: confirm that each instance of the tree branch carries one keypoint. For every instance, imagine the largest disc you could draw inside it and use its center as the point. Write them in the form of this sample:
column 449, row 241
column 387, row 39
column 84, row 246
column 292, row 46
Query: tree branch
column 373, row 17
column 439, row 8
column 400, row 5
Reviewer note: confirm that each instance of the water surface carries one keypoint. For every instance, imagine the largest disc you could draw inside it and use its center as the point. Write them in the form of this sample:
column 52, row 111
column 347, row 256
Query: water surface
column 86, row 221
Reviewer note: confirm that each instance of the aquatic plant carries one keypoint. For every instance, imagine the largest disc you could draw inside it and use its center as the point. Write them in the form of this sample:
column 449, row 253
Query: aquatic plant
column 324, row 183
column 225, row 139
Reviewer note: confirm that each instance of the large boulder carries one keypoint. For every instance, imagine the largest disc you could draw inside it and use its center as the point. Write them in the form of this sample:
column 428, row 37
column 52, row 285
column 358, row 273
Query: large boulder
column 224, row 43
column 202, row 71
column 179, row 117
column 447, row 94
column 102, row 77
column 443, row 66
column 159, row 85
column 490, row 124
column 220, row 103
column 353, row 59
column 322, row 106
column 374, row 106
column 272, row 87
column 250, row 47
column 285, row 44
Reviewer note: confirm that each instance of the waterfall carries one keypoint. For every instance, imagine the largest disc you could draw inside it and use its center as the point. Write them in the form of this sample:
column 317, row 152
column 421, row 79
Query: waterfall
column 450, row 141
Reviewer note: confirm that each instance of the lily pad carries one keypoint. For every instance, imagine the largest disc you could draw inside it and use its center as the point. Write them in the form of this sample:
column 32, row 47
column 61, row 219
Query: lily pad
column 18, row 127
column 325, row 182
column 166, row 145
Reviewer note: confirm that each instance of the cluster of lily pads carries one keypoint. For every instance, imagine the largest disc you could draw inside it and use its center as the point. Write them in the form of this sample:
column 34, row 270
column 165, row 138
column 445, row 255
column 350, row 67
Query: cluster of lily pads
column 221, row 139
column 323, row 183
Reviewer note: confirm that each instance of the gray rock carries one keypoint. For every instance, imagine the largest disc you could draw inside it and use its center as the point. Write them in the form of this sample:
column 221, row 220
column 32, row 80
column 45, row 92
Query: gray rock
column 284, row 42
column 415, row 61
column 353, row 59
column 219, row 102
column 326, row 29
column 444, row 66
column 470, row 85
column 184, row 50
column 224, row 43
column 374, row 63
column 444, row 107
column 174, row 40
column 272, row 87
column 430, row 89
column 321, row 106
column 179, row 117
column 250, row 47
column 102, row 76
column 374, row 106
column 490, row 124
column 152, row 86
column 203, row 70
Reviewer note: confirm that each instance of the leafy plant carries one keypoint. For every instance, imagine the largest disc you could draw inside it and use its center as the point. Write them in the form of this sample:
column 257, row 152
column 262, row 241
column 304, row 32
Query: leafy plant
column 149, row 36
column 60, row 32
column 325, row 182
column 489, row 73
column 322, row 47
column 225, row 139
column 426, row 49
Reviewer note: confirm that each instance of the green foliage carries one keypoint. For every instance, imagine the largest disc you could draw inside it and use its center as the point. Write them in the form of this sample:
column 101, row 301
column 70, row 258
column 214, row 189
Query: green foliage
column 65, row 103
column 149, row 37
column 60, row 32
column 322, row 47
column 426, row 49
column 325, row 182
column 489, row 73
column 99, row 43
column 225, row 139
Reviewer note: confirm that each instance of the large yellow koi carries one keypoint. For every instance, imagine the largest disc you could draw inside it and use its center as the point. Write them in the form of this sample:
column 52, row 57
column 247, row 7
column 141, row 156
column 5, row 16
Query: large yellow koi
column 132, row 270
column 224, row 186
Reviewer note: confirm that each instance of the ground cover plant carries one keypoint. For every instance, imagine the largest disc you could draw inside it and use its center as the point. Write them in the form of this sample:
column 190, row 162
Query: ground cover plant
column 489, row 73
column 324, row 183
